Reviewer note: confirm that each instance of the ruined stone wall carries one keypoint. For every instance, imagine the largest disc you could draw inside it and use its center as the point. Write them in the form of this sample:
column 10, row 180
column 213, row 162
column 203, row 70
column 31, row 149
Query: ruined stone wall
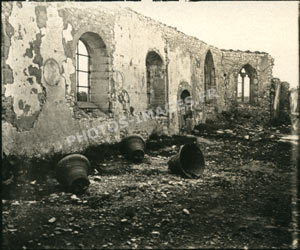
column 39, row 78
column 39, row 109
column 281, row 107
column 233, row 61
column 295, row 109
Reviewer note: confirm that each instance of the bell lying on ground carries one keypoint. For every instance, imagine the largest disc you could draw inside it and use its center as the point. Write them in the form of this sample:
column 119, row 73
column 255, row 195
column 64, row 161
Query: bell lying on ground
column 188, row 162
column 72, row 173
column 132, row 147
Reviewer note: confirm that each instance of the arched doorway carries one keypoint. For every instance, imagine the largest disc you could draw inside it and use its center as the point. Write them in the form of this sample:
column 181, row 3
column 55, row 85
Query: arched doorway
column 246, row 84
column 156, row 92
column 185, row 114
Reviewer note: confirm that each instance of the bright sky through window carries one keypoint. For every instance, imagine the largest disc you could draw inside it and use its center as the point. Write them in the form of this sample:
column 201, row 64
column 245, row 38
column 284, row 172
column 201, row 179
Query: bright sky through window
column 82, row 72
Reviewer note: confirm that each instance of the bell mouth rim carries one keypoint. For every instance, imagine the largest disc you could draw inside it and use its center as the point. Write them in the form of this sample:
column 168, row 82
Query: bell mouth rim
column 133, row 154
column 85, row 186
column 194, row 172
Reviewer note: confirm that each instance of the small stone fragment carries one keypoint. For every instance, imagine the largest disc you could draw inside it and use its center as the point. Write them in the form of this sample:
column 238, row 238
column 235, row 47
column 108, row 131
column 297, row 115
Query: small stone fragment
column 74, row 197
column 52, row 220
column 15, row 203
column 155, row 233
column 186, row 211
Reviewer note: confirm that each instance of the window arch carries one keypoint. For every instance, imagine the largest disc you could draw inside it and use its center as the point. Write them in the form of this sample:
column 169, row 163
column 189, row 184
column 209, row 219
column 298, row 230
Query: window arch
column 156, row 92
column 209, row 75
column 82, row 72
column 245, row 84
column 92, row 72
column 185, row 113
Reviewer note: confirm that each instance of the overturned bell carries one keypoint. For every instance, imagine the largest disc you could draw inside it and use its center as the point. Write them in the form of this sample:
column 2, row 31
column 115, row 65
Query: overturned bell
column 188, row 162
column 133, row 148
column 72, row 173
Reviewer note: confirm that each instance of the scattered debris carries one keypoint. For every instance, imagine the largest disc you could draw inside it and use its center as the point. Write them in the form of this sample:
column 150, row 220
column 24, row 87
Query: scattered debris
column 244, row 191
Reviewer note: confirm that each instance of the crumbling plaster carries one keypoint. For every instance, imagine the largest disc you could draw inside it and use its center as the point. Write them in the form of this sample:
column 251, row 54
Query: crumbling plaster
column 39, row 115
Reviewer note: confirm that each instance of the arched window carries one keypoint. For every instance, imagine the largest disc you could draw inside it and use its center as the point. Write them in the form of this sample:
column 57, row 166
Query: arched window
column 155, row 80
column 185, row 113
column 92, row 72
column 245, row 84
column 209, row 77
column 82, row 73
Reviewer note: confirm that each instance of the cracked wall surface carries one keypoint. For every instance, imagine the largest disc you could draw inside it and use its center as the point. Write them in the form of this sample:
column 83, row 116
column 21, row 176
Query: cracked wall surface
column 39, row 75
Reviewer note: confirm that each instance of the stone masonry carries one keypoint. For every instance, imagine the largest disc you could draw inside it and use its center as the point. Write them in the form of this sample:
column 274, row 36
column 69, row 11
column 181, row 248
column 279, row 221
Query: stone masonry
column 136, row 63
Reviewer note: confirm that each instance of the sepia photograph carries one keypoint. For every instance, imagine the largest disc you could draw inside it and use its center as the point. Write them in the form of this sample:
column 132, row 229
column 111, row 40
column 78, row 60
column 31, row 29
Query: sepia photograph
column 150, row 124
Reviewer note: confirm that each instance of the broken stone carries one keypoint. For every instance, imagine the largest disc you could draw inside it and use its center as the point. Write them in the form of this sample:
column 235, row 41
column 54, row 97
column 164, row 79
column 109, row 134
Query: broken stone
column 155, row 233
column 164, row 195
column 186, row 211
column 15, row 203
column 74, row 197
column 53, row 195
column 32, row 202
column 52, row 220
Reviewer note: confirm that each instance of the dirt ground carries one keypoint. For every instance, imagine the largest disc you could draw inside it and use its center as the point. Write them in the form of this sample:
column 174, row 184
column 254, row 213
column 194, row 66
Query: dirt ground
column 243, row 199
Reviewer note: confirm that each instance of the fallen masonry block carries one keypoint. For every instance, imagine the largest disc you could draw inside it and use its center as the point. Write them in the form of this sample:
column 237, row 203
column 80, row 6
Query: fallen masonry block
column 72, row 172
column 133, row 148
column 188, row 162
